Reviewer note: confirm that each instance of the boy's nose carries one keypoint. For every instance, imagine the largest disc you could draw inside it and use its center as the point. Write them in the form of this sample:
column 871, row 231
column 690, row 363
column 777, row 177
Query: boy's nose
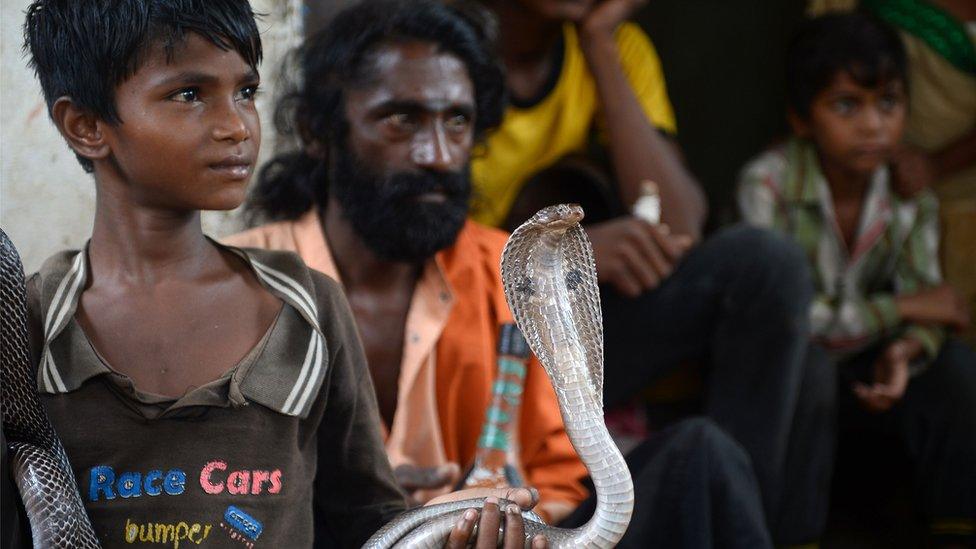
column 231, row 126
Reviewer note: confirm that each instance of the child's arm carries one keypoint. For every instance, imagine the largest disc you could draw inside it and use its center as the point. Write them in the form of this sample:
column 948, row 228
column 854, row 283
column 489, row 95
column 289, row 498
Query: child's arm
column 355, row 492
column 918, row 277
column 629, row 82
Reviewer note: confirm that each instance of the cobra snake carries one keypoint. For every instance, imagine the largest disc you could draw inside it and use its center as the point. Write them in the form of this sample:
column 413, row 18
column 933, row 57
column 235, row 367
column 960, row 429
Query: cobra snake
column 39, row 464
column 549, row 277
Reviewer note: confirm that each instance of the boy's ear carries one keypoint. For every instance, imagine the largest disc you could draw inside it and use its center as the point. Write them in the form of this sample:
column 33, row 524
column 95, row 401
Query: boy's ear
column 80, row 128
column 799, row 124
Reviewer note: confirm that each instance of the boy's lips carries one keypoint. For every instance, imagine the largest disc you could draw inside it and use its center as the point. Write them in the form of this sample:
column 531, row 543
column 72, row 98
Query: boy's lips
column 234, row 167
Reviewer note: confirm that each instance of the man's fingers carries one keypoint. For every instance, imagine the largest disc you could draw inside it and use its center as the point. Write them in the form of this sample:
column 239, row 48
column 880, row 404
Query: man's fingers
column 488, row 525
column 645, row 239
column 461, row 532
column 514, row 528
column 669, row 244
column 539, row 541
column 638, row 268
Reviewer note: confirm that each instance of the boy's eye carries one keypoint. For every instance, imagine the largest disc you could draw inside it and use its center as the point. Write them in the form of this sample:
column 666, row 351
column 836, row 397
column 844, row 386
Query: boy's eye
column 844, row 105
column 248, row 93
column 889, row 102
column 187, row 95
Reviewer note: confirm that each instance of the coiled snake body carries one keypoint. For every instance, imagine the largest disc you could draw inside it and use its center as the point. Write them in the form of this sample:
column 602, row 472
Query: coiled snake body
column 550, row 283
column 40, row 466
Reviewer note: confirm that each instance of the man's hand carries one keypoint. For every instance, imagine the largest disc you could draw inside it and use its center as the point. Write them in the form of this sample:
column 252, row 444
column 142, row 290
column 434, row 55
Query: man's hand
column 633, row 255
column 605, row 16
column 937, row 305
column 489, row 519
column 912, row 170
column 890, row 376
column 415, row 479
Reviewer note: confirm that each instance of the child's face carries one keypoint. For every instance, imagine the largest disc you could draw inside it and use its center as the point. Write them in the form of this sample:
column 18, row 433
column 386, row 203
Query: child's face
column 190, row 132
column 855, row 128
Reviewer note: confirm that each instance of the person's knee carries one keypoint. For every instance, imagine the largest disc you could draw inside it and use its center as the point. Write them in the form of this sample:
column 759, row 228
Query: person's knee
column 702, row 435
column 771, row 267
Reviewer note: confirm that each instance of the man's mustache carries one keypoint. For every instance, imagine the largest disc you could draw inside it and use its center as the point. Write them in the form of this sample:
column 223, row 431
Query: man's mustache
column 408, row 185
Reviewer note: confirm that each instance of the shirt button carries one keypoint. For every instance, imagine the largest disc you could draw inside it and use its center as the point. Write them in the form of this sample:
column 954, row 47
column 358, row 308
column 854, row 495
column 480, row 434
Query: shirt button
column 414, row 338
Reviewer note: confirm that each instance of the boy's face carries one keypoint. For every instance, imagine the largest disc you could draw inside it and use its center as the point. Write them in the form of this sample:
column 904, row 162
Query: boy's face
column 190, row 133
column 854, row 127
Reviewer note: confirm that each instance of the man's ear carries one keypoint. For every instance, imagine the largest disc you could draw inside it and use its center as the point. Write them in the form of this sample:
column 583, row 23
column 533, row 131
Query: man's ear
column 80, row 128
column 798, row 124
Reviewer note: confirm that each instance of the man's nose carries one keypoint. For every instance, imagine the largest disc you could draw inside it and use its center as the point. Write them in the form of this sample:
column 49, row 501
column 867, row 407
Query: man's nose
column 431, row 150
column 229, row 124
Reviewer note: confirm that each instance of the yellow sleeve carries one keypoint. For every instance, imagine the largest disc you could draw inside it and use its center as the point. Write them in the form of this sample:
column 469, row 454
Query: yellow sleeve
column 643, row 69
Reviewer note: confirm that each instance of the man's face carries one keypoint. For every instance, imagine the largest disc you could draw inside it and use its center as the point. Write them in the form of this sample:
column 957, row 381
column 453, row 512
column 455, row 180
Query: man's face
column 190, row 132
column 856, row 128
column 401, row 173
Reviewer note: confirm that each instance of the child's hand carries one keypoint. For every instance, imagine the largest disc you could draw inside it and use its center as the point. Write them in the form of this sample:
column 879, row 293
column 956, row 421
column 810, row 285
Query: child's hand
column 890, row 376
column 633, row 255
column 912, row 170
column 492, row 525
column 937, row 305
column 414, row 480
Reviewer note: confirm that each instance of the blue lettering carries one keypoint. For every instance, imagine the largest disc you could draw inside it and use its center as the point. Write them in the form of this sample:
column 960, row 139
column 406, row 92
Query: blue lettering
column 129, row 485
column 149, row 487
column 101, row 480
column 175, row 482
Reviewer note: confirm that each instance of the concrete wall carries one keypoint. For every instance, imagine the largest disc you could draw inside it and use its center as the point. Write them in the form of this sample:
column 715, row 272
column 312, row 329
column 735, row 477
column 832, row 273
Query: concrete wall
column 46, row 199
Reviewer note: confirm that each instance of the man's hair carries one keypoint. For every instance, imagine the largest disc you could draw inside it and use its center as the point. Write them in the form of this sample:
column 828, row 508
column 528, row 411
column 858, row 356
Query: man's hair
column 854, row 43
column 341, row 57
column 84, row 49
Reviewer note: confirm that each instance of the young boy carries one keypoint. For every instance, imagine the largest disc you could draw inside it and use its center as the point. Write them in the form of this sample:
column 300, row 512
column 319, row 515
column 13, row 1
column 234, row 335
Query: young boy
column 881, row 309
column 204, row 393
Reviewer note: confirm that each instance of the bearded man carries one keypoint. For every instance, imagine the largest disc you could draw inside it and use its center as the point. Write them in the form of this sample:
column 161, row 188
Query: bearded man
column 394, row 97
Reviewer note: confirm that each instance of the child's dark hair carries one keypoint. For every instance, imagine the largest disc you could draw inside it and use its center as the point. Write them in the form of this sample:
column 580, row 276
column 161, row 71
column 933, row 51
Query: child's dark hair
column 83, row 49
column 339, row 57
column 856, row 43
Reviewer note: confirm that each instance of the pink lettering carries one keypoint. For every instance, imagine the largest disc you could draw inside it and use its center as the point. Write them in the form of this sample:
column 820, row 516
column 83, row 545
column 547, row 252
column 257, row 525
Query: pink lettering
column 258, row 480
column 275, row 482
column 238, row 482
column 208, row 469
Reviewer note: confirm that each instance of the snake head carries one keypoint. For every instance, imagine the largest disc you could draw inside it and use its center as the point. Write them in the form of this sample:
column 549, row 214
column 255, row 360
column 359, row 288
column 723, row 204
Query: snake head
column 558, row 217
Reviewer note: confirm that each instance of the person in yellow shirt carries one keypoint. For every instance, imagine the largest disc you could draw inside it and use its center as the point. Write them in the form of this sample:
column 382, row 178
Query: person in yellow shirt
column 589, row 121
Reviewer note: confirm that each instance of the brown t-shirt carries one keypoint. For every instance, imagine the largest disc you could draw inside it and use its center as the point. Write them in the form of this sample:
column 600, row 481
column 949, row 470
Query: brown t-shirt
column 281, row 450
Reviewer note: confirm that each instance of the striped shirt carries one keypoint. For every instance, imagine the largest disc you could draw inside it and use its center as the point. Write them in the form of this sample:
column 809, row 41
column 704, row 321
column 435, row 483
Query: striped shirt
column 238, row 461
column 895, row 251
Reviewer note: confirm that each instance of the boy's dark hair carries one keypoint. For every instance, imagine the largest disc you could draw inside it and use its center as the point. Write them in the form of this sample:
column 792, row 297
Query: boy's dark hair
column 856, row 43
column 340, row 57
column 83, row 49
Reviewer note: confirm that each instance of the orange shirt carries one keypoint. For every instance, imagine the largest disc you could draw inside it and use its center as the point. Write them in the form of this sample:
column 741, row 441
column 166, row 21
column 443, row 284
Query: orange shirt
column 450, row 359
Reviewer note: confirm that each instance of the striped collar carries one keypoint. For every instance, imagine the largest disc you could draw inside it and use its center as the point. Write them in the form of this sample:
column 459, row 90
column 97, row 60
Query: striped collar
column 285, row 376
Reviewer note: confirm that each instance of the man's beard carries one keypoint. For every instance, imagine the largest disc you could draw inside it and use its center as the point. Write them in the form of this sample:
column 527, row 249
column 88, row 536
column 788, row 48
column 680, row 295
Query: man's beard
column 385, row 212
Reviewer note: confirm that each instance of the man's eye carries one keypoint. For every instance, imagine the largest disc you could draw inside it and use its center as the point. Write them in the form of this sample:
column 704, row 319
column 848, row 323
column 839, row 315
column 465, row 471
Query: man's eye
column 401, row 120
column 458, row 122
column 187, row 95
column 248, row 93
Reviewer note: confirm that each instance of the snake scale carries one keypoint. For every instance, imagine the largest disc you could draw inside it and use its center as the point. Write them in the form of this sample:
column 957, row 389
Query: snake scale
column 39, row 464
column 550, row 283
